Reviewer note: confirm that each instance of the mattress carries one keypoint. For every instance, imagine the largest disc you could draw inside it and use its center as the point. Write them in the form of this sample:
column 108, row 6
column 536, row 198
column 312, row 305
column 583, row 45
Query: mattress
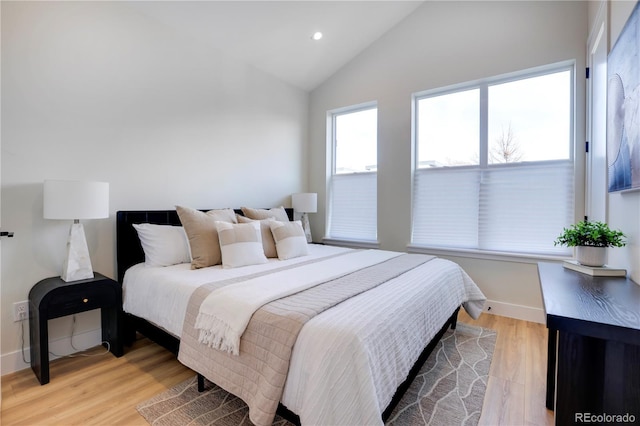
column 365, row 346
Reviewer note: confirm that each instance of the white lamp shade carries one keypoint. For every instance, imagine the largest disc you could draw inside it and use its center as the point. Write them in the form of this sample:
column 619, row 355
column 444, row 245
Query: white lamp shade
column 70, row 200
column 306, row 202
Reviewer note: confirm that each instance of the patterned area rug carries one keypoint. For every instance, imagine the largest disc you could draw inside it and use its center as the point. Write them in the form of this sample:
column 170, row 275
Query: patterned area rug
column 449, row 390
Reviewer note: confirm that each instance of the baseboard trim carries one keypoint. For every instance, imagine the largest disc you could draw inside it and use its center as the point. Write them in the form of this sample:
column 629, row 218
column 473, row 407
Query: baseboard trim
column 12, row 361
column 521, row 312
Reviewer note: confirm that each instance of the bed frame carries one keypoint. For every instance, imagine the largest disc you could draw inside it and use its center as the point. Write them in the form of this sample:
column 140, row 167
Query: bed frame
column 129, row 253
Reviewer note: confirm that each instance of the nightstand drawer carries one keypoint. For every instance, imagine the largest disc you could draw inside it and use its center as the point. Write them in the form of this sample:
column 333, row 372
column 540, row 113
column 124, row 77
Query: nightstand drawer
column 84, row 298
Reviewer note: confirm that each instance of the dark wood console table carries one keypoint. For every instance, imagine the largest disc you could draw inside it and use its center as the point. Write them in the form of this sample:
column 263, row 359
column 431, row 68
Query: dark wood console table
column 593, row 364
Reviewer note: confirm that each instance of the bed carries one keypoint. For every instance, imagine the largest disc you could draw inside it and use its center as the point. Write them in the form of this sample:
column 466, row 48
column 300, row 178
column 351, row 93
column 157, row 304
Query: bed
column 369, row 345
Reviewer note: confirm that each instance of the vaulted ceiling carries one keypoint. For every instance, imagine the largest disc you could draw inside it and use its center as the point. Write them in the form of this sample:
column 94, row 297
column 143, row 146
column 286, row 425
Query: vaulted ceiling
column 276, row 36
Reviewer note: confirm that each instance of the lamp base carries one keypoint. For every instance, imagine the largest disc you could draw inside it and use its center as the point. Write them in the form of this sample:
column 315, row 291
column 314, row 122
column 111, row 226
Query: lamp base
column 306, row 227
column 77, row 265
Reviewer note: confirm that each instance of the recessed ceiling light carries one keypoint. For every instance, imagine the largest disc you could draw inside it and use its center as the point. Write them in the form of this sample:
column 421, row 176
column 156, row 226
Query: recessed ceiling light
column 317, row 35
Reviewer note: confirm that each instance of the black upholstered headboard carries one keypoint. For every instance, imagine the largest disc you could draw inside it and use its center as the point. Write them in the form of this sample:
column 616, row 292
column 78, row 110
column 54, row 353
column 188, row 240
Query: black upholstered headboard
column 128, row 249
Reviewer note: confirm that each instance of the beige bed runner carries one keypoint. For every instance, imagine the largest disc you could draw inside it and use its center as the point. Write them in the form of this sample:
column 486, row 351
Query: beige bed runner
column 259, row 373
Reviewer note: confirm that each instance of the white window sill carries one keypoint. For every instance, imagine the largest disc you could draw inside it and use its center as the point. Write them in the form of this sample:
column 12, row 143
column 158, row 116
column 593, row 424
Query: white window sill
column 487, row 255
column 366, row 244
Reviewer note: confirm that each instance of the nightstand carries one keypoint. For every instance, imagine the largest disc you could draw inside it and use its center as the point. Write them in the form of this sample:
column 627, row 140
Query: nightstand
column 54, row 298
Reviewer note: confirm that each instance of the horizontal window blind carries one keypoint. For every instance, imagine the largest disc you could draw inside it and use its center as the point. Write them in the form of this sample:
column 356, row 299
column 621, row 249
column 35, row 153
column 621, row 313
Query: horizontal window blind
column 523, row 209
column 445, row 207
column 353, row 207
column 519, row 208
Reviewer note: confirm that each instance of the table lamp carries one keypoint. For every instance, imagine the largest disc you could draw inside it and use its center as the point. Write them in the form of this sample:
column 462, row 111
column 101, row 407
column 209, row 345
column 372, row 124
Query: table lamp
column 306, row 202
column 75, row 200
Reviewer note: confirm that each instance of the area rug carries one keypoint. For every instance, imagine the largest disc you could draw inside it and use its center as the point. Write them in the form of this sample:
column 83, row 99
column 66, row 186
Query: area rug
column 448, row 390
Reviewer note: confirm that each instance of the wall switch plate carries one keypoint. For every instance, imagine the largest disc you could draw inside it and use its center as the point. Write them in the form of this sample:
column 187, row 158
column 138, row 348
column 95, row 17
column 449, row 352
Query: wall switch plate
column 20, row 311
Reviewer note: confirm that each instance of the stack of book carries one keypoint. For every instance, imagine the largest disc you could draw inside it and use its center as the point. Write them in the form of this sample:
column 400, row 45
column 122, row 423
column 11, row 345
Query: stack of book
column 595, row 271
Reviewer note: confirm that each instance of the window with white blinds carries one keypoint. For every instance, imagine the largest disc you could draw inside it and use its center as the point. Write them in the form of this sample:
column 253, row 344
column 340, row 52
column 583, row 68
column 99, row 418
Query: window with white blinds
column 352, row 213
column 494, row 165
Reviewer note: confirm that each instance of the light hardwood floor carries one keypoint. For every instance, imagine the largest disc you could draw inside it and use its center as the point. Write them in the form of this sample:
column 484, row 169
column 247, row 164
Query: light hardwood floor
column 105, row 390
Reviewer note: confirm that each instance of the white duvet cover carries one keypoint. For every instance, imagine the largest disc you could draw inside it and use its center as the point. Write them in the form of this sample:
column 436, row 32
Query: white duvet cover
column 161, row 294
column 364, row 346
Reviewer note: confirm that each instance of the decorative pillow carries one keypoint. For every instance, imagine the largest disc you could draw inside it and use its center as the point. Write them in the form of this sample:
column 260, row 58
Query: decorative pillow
column 163, row 245
column 268, row 244
column 290, row 239
column 203, row 236
column 278, row 213
column 240, row 244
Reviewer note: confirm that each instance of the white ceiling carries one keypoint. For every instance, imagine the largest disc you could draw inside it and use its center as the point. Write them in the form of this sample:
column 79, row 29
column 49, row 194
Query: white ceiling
column 275, row 36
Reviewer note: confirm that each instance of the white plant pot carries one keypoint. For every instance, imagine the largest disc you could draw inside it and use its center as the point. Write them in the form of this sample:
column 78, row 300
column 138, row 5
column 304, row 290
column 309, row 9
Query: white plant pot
column 591, row 256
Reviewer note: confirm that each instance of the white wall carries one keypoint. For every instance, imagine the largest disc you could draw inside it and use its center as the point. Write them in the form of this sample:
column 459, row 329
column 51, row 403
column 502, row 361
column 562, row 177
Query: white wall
column 624, row 208
column 96, row 91
column 444, row 43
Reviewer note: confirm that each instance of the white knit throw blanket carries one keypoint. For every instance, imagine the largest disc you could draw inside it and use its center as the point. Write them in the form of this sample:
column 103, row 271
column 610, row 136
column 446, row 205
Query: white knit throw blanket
column 225, row 313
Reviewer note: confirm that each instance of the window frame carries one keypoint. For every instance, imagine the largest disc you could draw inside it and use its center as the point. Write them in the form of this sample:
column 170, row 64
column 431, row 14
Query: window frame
column 331, row 172
column 483, row 86
column 332, row 115
column 483, row 163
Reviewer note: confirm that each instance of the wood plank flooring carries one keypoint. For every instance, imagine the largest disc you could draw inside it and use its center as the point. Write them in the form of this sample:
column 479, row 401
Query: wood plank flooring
column 516, row 389
column 104, row 390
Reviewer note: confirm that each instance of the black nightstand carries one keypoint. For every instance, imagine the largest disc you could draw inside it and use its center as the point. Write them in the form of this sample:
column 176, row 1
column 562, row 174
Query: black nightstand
column 53, row 298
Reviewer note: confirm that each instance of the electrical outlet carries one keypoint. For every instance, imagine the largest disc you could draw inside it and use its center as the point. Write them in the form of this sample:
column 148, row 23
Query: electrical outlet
column 21, row 311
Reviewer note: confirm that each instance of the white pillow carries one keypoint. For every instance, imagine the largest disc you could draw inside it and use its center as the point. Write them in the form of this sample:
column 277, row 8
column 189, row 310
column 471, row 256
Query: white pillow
column 290, row 239
column 163, row 245
column 240, row 244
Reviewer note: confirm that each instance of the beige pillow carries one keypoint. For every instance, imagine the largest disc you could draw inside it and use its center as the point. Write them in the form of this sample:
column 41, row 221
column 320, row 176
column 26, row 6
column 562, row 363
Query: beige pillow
column 290, row 239
column 203, row 235
column 268, row 244
column 240, row 244
column 278, row 213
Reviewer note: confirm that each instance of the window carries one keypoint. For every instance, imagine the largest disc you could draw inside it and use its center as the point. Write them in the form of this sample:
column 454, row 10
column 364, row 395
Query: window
column 353, row 182
column 494, row 165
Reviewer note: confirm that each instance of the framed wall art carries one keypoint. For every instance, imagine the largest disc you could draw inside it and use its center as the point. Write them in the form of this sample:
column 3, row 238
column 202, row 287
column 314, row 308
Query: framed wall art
column 623, row 107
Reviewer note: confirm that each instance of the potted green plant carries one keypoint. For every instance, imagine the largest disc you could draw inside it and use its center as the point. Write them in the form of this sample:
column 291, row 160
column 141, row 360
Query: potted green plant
column 591, row 240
